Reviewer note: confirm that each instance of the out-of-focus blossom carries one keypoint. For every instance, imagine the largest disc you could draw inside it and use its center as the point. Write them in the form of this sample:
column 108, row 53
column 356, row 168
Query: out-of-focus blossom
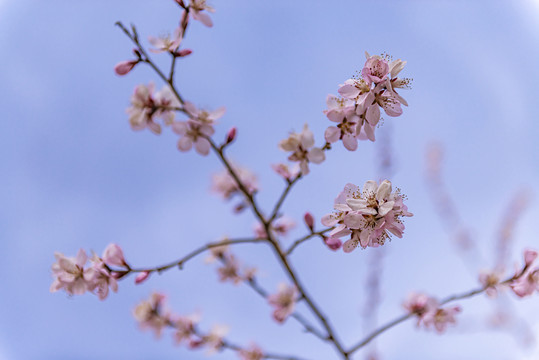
column 113, row 255
column 213, row 341
column 151, row 315
column 283, row 302
column 302, row 147
column 197, row 8
column 333, row 243
column 368, row 216
column 203, row 116
column 529, row 257
column 280, row 227
column 254, row 352
column 441, row 318
column 184, row 327
column 420, row 304
column 490, row 280
column 193, row 133
column 70, row 274
column 229, row 271
column 528, row 282
column 224, row 184
column 166, row 42
column 146, row 107
column 285, row 171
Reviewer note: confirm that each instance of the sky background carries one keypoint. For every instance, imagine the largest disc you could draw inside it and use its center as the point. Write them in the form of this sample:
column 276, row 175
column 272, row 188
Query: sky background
column 74, row 174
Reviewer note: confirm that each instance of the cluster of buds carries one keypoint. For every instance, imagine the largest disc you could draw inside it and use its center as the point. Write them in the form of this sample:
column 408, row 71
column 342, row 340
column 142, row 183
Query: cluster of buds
column 72, row 274
column 224, row 184
column 357, row 111
column 302, row 147
column 429, row 313
column 230, row 266
column 369, row 216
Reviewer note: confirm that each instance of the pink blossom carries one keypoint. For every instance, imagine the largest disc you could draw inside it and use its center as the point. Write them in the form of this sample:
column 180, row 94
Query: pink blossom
column 203, row 116
column 224, row 184
column 527, row 284
column 441, row 318
column 214, row 339
column 113, row 255
column 490, row 281
column 333, row 243
column 145, row 107
column 229, row 271
column 100, row 279
column 124, row 67
column 193, row 133
column 70, row 274
column 529, row 257
column 166, row 43
column 283, row 302
column 254, row 352
column 302, row 147
column 420, row 304
column 286, row 172
column 149, row 314
column 280, row 227
column 184, row 327
column 196, row 8
column 369, row 216
column 375, row 69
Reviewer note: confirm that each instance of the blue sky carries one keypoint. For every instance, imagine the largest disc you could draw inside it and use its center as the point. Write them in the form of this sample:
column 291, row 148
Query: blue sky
column 76, row 176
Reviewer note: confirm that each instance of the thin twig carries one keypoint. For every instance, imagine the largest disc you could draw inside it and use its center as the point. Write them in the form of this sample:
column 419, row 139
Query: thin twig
column 307, row 237
column 285, row 192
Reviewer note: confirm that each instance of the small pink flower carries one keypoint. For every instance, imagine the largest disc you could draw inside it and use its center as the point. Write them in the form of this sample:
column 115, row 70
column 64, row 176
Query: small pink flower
column 527, row 284
column 203, row 116
column 283, row 302
column 490, row 281
column 113, row 255
column 229, row 271
column 375, row 70
column 286, row 172
column 214, row 339
column 302, row 147
column 166, row 43
column 529, row 257
column 124, row 67
column 70, row 274
column 196, row 8
column 100, row 279
column 193, row 133
column 420, row 304
column 254, row 352
column 184, row 327
column 224, row 184
column 149, row 314
column 283, row 225
column 441, row 318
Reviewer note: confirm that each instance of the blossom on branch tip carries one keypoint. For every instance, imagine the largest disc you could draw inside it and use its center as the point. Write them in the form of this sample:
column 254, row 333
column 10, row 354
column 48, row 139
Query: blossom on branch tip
column 302, row 147
column 441, row 318
column 283, row 302
column 196, row 8
column 286, row 172
column 527, row 282
column 150, row 314
column 165, row 42
column 369, row 216
column 113, row 255
column 70, row 274
column 490, row 281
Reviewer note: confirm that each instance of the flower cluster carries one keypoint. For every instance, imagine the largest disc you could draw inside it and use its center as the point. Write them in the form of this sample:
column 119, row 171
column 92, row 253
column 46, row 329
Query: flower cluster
column 357, row 111
column 254, row 352
column 302, row 147
column 283, row 302
column 146, row 107
column 429, row 313
column 527, row 282
column 225, row 185
column 369, row 216
column 72, row 275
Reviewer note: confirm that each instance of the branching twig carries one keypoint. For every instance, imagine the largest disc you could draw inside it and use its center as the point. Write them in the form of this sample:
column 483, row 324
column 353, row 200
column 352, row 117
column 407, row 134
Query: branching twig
column 307, row 237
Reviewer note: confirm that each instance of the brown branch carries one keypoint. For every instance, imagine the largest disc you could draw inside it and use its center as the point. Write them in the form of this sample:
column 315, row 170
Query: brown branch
column 285, row 192
column 307, row 237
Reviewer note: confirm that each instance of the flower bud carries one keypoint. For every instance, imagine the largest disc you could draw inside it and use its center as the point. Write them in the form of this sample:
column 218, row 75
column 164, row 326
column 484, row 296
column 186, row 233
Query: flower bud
column 183, row 52
column 529, row 256
column 141, row 277
column 309, row 220
column 231, row 135
column 124, row 67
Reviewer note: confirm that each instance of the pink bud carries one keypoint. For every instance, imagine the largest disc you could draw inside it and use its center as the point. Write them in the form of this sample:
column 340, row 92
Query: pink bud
column 309, row 220
column 183, row 52
column 529, row 256
column 124, row 67
column 333, row 243
column 113, row 255
column 141, row 277
column 231, row 135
